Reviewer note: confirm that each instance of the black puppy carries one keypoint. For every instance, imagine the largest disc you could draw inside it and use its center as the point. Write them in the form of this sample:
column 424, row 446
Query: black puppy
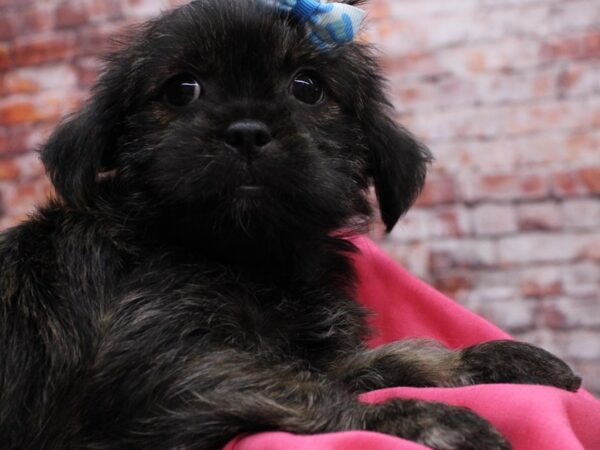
column 190, row 282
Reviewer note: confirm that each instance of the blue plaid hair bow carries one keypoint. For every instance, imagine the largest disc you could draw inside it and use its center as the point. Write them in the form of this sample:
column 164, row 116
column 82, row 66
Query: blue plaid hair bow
column 328, row 24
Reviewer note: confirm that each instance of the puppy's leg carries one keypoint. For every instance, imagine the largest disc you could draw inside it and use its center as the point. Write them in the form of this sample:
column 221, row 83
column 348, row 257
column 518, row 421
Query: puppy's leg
column 515, row 362
column 201, row 402
column 427, row 363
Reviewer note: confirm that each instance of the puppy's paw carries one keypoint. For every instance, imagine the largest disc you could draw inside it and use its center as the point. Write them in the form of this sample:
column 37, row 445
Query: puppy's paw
column 515, row 362
column 436, row 425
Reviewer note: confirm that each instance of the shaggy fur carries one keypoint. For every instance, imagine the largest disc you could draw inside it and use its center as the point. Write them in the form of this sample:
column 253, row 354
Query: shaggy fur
column 177, row 292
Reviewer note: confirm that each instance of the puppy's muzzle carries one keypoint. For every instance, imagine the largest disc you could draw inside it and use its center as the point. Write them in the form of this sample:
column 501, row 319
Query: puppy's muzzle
column 248, row 137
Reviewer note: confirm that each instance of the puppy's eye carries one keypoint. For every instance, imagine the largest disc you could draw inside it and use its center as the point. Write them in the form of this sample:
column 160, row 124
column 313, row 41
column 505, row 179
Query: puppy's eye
column 307, row 88
column 182, row 90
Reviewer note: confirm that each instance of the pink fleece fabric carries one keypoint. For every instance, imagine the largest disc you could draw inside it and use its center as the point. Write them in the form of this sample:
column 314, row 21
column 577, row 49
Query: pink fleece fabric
column 531, row 417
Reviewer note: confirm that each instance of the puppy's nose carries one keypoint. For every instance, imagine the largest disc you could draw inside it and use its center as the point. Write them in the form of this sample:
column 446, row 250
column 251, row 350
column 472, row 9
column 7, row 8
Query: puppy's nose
column 249, row 137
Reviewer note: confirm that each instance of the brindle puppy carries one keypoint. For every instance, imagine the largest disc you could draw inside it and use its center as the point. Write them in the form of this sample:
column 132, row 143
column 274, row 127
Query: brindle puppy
column 188, row 283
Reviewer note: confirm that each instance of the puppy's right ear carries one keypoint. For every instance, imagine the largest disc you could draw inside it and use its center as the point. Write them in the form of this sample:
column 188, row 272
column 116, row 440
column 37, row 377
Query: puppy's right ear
column 78, row 150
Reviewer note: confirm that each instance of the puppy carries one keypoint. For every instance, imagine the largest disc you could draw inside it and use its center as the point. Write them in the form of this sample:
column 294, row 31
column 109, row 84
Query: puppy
column 192, row 280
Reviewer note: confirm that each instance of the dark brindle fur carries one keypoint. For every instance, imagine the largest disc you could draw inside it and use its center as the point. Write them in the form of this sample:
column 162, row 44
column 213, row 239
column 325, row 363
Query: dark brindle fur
column 156, row 303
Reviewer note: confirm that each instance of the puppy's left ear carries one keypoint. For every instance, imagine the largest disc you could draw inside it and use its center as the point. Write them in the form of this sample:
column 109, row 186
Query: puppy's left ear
column 397, row 163
column 77, row 151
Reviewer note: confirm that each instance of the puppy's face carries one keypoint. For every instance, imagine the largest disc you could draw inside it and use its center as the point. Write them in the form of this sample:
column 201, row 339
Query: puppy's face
column 224, row 115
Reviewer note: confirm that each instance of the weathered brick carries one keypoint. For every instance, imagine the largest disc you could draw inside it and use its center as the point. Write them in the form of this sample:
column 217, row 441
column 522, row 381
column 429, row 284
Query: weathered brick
column 568, row 183
column 14, row 112
column 581, row 213
column 591, row 178
column 5, row 59
column 37, row 17
column 30, row 51
column 439, row 189
column 539, row 216
column 87, row 69
column 582, row 344
column 20, row 199
column 590, row 372
column 103, row 10
column 585, row 272
column 463, row 253
column 9, row 170
column 450, row 221
column 17, row 111
column 97, row 39
column 528, row 248
column 71, row 14
column 454, row 285
column 30, row 80
column 586, row 45
column 8, row 25
column 542, row 281
column 141, row 9
column 505, row 186
column 424, row 224
column 494, row 219
column 502, row 306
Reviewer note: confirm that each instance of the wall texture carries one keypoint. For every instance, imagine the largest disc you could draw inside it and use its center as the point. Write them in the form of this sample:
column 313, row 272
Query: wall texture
column 505, row 92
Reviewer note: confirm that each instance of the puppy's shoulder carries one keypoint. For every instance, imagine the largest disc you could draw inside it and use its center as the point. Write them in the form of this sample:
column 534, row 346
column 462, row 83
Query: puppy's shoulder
column 57, row 242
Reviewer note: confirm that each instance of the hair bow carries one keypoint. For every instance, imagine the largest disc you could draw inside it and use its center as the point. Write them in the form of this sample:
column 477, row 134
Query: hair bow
column 329, row 24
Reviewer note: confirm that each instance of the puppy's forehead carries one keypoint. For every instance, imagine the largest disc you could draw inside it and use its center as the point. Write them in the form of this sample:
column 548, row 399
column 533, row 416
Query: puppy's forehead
column 231, row 38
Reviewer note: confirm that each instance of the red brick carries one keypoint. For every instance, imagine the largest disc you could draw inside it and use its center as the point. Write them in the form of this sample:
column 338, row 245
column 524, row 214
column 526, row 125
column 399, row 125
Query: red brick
column 32, row 80
column 106, row 9
column 87, row 71
column 438, row 190
column 5, row 59
column 568, row 184
column 21, row 201
column 17, row 112
column 14, row 2
column 590, row 372
column 492, row 219
column 506, row 186
column 8, row 28
column 9, row 170
column 527, row 249
column 591, row 179
column 461, row 253
column 450, row 221
column 453, row 285
column 24, row 110
column 581, row 213
column 15, row 140
column 71, row 14
column 3, row 141
column 539, row 216
column 553, row 317
column 98, row 39
column 37, row 17
column 40, row 50
column 583, row 46
column 11, row 83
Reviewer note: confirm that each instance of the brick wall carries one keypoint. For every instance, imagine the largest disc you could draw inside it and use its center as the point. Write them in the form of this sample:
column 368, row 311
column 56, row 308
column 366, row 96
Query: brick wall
column 505, row 92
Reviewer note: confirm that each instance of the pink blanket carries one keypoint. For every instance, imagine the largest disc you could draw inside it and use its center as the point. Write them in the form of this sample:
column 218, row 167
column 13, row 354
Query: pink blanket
column 531, row 417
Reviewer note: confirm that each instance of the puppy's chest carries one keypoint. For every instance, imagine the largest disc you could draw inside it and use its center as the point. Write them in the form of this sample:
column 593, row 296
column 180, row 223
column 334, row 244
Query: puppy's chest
column 288, row 324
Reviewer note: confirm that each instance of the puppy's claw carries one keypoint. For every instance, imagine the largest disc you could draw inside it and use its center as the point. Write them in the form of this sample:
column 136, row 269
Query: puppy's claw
column 437, row 425
column 515, row 362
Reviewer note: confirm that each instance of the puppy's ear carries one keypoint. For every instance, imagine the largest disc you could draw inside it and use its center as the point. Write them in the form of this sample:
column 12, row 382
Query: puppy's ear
column 78, row 150
column 397, row 163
